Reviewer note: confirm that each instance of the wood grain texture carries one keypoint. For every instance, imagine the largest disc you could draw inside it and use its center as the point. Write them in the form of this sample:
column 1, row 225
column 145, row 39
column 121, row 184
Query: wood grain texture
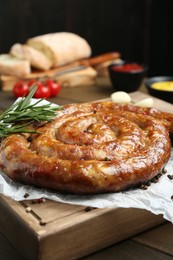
column 159, row 238
column 7, row 251
column 74, row 233
column 128, row 250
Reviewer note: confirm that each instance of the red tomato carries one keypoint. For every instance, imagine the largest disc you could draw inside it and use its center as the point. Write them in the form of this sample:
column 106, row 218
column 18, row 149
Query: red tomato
column 53, row 86
column 20, row 89
column 42, row 91
column 31, row 82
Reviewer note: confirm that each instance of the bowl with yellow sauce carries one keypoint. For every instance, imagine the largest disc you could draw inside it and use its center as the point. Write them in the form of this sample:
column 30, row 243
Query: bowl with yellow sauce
column 161, row 87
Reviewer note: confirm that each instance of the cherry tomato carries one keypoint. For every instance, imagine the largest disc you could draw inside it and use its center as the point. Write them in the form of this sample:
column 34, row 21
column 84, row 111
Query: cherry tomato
column 53, row 86
column 45, row 88
column 31, row 82
column 20, row 89
column 42, row 91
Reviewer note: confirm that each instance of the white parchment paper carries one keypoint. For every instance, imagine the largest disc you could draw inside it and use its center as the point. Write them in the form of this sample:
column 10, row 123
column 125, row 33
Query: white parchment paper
column 156, row 199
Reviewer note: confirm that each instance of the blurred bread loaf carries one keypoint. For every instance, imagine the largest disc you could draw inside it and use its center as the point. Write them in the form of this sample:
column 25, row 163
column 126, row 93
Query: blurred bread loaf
column 48, row 55
column 61, row 48
column 13, row 66
column 36, row 58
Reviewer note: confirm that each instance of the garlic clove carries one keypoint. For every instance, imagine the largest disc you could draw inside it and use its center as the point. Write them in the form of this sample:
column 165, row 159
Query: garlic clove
column 120, row 97
column 147, row 102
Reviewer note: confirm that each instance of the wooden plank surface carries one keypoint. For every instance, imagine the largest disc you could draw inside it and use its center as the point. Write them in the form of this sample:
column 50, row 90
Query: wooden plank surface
column 130, row 250
column 102, row 89
column 7, row 250
column 160, row 238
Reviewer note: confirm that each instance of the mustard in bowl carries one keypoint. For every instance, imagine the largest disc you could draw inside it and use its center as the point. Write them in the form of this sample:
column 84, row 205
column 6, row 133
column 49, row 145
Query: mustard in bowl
column 161, row 87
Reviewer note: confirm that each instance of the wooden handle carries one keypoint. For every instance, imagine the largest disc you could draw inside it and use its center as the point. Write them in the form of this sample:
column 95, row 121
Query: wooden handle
column 100, row 59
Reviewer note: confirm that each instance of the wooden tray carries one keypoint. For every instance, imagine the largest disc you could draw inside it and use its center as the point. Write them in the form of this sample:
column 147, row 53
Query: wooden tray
column 60, row 231
column 54, row 230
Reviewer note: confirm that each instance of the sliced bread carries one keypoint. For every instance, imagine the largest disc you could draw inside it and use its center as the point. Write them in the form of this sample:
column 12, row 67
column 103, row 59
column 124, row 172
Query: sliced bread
column 13, row 66
column 36, row 58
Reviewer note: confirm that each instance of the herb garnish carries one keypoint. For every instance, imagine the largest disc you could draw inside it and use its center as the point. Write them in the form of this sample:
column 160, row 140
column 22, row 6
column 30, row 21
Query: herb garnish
column 23, row 111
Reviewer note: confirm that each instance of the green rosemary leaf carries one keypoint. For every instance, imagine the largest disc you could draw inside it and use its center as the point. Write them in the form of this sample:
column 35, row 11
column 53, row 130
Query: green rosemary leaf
column 17, row 130
column 25, row 111
column 25, row 101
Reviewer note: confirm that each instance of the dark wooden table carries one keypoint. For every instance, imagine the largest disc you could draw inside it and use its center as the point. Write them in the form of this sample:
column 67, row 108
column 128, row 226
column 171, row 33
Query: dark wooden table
column 156, row 243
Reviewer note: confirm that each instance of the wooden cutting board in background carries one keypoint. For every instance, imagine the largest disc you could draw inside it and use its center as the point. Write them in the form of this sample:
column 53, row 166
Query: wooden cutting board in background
column 55, row 231
column 82, row 72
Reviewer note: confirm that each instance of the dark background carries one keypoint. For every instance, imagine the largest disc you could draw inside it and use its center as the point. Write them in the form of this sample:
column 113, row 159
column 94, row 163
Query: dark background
column 140, row 29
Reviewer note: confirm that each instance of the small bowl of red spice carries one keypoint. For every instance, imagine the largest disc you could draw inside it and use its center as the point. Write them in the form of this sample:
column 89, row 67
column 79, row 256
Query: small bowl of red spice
column 127, row 76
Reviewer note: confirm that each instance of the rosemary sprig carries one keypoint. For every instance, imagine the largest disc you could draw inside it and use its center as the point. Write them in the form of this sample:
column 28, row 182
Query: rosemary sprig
column 11, row 121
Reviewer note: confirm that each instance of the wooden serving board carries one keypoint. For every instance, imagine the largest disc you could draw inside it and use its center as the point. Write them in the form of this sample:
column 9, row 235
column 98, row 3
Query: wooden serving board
column 70, row 232
column 82, row 72
column 55, row 231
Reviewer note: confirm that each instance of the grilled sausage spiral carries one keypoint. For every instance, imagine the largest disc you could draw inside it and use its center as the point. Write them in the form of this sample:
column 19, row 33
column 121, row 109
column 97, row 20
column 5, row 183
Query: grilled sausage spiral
column 91, row 148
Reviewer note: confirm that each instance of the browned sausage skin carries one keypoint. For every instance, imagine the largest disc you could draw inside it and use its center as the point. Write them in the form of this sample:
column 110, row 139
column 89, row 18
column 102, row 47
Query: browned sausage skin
column 91, row 148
